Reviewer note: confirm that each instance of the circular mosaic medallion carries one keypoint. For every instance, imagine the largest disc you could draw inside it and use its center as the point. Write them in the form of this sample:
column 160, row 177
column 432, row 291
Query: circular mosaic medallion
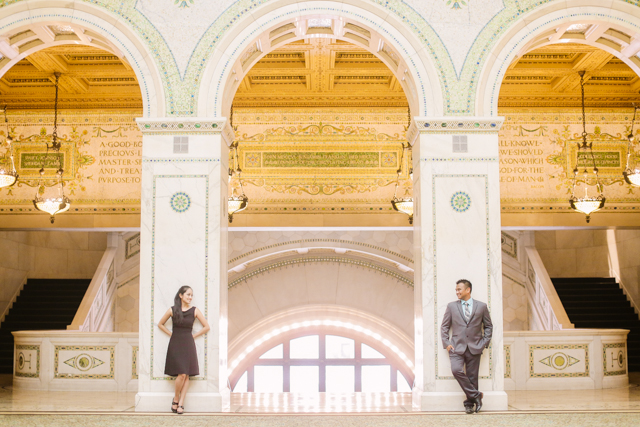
column 180, row 202
column 559, row 361
column 84, row 362
column 460, row 201
column 21, row 361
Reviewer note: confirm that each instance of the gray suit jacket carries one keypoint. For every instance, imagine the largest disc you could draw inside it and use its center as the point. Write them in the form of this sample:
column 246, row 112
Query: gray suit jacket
column 465, row 334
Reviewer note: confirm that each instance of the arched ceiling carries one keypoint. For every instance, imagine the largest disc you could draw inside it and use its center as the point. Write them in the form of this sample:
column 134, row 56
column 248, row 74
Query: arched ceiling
column 548, row 77
column 91, row 79
column 320, row 72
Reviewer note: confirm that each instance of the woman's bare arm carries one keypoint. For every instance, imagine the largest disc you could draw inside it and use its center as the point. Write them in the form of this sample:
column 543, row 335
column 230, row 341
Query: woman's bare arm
column 163, row 320
column 205, row 324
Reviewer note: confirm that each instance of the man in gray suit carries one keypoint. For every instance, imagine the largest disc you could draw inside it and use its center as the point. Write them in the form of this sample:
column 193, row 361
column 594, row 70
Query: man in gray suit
column 465, row 319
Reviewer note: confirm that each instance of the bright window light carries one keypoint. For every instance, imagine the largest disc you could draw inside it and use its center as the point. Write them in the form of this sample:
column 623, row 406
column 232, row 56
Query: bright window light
column 305, row 379
column 268, row 379
column 370, row 353
column 276, row 352
column 403, row 385
column 340, row 347
column 305, row 347
column 376, row 379
column 340, row 379
column 241, row 385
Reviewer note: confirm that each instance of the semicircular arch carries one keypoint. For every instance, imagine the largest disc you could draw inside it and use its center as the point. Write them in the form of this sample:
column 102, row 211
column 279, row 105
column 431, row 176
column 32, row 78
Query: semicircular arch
column 262, row 335
column 614, row 30
column 27, row 29
column 378, row 33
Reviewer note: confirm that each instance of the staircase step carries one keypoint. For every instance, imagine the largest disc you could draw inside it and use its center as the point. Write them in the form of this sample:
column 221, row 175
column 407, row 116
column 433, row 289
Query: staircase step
column 599, row 303
column 43, row 304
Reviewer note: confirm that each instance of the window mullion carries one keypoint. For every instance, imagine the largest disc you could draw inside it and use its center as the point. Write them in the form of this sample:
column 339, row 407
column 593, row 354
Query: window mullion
column 286, row 367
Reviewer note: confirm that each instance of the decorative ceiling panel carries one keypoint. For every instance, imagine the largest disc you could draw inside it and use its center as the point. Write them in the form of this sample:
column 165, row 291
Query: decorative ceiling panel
column 548, row 77
column 91, row 79
column 320, row 72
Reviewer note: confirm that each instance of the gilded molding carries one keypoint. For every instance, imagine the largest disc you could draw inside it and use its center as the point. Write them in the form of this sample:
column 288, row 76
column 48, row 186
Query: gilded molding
column 181, row 126
column 464, row 125
column 321, row 259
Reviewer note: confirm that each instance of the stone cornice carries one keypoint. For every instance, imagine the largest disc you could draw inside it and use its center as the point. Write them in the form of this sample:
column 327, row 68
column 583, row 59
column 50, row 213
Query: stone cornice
column 182, row 125
column 454, row 125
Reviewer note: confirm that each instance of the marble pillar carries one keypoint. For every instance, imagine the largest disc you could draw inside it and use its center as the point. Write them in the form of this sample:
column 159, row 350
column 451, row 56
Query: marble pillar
column 456, row 236
column 183, row 238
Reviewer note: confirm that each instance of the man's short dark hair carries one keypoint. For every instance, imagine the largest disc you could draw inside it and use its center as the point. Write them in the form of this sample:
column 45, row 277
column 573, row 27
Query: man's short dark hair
column 466, row 283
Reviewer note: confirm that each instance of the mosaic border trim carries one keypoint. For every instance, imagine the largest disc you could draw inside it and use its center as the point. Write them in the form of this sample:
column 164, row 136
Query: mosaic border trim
column 180, row 160
column 435, row 273
column 134, row 361
column 24, row 374
column 604, row 358
column 294, row 242
column 533, row 374
column 56, row 361
column 459, row 159
column 514, row 280
column 458, row 125
column 137, row 276
column 507, row 236
column 507, row 360
column 127, row 254
column 183, row 126
column 343, row 260
column 153, row 273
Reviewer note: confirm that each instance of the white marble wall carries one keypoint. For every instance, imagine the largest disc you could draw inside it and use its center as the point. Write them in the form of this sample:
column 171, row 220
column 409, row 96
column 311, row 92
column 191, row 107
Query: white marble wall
column 46, row 254
column 457, row 235
column 183, row 242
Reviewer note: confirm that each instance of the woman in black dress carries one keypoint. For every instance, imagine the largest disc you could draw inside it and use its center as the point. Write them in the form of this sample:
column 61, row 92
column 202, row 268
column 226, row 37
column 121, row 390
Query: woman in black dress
column 182, row 359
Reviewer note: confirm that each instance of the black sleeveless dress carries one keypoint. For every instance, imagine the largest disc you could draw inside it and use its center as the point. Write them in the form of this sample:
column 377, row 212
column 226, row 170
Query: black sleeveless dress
column 181, row 354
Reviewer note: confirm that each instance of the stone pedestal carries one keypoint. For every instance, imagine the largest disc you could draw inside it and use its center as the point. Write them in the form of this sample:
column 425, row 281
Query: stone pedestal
column 183, row 238
column 457, row 236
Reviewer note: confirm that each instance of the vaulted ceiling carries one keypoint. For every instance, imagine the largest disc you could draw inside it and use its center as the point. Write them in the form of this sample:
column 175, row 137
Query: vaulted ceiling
column 548, row 77
column 91, row 78
column 320, row 72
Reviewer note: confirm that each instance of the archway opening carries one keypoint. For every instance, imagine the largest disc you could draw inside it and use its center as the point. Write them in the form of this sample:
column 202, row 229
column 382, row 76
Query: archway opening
column 320, row 109
column 101, row 145
column 540, row 98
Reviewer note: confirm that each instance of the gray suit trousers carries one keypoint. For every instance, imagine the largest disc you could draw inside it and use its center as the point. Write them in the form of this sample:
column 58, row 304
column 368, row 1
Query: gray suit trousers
column 468, row 380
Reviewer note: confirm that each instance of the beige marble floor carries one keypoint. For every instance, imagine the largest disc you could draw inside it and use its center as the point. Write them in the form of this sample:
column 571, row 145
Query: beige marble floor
column 625, row 399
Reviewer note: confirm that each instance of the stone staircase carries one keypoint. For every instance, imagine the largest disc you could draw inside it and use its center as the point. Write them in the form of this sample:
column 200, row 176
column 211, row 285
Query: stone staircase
column 595, row 302
column 43, row 304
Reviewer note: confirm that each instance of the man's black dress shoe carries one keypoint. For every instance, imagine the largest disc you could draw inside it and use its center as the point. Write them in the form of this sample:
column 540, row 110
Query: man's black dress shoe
column 478, row 402
column 469, row 409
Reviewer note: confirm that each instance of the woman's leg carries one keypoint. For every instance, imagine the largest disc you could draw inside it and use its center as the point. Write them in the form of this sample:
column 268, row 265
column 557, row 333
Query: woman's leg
column 183, row 392
column 179, row 384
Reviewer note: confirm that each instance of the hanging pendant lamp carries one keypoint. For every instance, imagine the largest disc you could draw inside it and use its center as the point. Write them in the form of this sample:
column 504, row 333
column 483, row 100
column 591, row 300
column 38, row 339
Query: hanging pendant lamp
column 237, row 202
column 57, row 202
column 587, row 204
column 403, row 204
column 632, row 176
column 8, row 174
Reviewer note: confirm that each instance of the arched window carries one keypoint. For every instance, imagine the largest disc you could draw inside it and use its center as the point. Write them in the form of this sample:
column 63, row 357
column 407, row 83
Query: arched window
column 324, row 362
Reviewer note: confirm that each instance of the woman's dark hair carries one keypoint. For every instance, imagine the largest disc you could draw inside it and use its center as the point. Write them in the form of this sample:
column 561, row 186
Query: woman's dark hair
column 177, row 304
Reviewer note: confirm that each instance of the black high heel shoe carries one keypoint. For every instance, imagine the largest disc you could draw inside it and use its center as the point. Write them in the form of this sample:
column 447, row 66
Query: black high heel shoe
column 175, row 411
column 180, row 413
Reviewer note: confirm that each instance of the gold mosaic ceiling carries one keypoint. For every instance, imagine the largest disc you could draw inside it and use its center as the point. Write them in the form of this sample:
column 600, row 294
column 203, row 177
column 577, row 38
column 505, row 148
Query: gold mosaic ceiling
column 320, row 72
column 92, row 78
column 548, row 77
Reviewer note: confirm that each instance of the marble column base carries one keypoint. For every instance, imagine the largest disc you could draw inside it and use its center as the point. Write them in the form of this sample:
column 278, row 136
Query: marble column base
column 453, row 401
column 195, row 402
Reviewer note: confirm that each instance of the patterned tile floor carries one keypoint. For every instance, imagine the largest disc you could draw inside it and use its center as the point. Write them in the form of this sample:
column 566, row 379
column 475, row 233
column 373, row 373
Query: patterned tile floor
column 611, row 400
